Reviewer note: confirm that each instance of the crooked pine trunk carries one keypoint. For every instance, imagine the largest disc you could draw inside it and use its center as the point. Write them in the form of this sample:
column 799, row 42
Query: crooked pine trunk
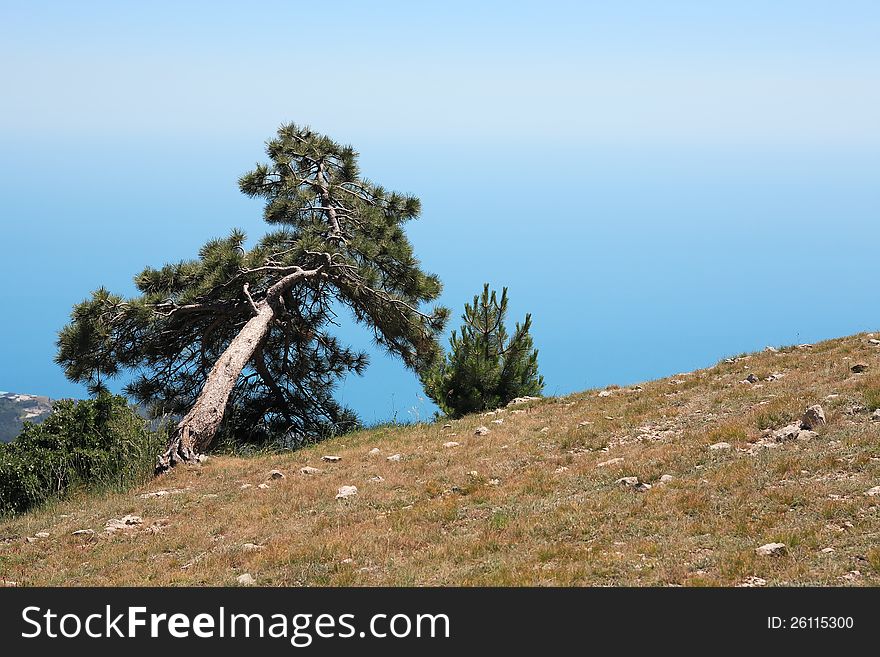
column 195, row 432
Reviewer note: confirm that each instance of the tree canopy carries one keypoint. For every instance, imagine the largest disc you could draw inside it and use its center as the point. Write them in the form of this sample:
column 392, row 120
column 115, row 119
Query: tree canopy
column 338, row 242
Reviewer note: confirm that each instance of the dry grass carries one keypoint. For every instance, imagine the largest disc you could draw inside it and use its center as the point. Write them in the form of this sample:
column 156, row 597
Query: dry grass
column 526, row 505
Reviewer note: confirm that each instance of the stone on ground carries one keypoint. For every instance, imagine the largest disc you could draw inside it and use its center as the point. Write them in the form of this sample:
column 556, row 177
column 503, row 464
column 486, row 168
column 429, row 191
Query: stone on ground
column 246, row 579
column 346, row 491
column 814, row 417
column 770, row 550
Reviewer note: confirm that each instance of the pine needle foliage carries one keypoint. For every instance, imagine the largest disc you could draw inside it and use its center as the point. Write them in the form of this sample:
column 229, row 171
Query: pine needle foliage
column 326, row 219
column 484, row 369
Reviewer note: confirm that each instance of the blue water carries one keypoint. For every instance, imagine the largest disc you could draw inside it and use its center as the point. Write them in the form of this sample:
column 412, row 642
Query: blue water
column 635, row 262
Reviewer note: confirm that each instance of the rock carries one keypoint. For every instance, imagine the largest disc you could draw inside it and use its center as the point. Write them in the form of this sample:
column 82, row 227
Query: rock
column 752, row 581
column 859, row 368
column 276, row 474
column 775, row 376
column 157, row 493
column 827, row 550
column 481, row 431
column 394, row 458
column 446, row 426
column 125, row 522
column 331, row 459
column 246, row 486
column 771, row 350
column 375, row 451
column 560, row 469
column 521, row 400
column 719, row 446
column 494, row 482
column 309, row 470
column 642, row 487
column 252, row 547
column 263, row 486
column 873, row 341
column 629, row 482
column 876, row 415
column 665, row 479
column 42, row 534
column 498, row 421
column 770, row 550
column 451, row 443
column 376, row 479
column 613, row 461
column 83, row 532
column 346, row 491
column 792, row 432
column 814, row 417
column 788, row 432
column 605, row 393
column 751, row 378
column 873, row 491
column 246, row 579
column 8, row 583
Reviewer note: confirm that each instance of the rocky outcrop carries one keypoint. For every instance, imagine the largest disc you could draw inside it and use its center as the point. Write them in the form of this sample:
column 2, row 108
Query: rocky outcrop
column 16, row 409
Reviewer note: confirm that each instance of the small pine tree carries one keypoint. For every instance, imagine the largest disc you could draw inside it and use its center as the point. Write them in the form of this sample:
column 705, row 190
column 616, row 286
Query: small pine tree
column 484, row 368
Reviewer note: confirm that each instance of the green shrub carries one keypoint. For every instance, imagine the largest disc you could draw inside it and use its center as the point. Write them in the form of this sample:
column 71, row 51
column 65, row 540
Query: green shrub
column 94, row 444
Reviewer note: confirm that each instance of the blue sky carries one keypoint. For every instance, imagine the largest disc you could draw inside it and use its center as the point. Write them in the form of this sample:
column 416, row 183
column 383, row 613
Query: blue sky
column 660, row 184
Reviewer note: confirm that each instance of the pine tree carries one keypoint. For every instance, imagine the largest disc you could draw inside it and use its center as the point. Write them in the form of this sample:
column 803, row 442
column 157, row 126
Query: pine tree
column 484, row 369
column 246, row 334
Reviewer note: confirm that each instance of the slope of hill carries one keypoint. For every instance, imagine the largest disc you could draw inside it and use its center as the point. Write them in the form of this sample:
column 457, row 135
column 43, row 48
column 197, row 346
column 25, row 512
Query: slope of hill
column 15, row 409
column 721, row 468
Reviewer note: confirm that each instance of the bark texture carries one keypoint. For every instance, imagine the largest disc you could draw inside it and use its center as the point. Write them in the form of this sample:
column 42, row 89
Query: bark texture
column 195, row 433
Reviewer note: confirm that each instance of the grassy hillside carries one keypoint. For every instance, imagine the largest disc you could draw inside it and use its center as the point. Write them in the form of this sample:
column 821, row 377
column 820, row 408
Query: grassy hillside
column 535, row 501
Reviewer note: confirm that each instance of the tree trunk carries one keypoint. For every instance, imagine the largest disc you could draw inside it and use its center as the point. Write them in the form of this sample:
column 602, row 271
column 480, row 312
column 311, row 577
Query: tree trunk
column 195, row 432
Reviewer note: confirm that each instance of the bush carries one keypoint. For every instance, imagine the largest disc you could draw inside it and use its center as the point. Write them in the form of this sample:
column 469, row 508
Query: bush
column 94, row 444
column 484, row 369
